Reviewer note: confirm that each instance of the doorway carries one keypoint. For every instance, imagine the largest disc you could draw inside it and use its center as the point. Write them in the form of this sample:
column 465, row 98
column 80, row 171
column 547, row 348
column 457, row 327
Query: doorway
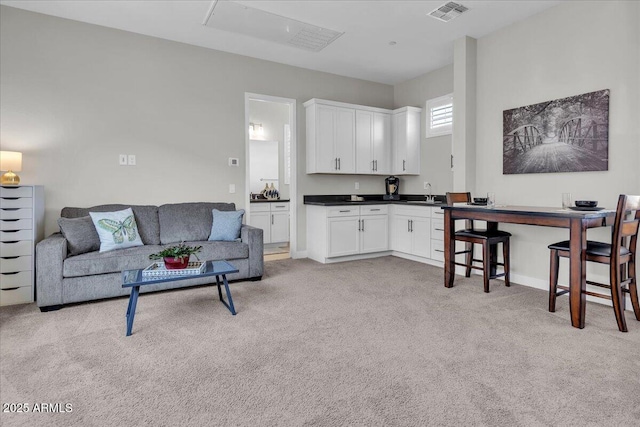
column 270, row 147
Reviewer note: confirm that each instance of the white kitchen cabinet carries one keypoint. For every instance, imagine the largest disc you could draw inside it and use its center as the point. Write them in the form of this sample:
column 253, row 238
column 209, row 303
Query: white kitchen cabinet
column 343, row 236
column 21, row 227
column 406, row 141
column 373, row 142
column 437, row 234
column 330, row 138
column 273, row 218
column 339, row 231
column 411, row 230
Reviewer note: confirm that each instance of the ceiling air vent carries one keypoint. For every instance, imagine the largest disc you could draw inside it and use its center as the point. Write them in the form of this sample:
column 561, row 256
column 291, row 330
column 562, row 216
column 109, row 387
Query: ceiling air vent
column 238, row 18
column 448, row 11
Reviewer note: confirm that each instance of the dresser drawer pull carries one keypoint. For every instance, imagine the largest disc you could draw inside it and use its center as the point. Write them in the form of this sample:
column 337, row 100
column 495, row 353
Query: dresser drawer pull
column 346, row 211
column 10, row 209
column 9, row 257
column 439, row 229
column 11, row 242
column 10, row 198
column 10, row 289
column 438, row 250
column 10, row 274
column 372, row 210
column 11, row 220
column 280, row 206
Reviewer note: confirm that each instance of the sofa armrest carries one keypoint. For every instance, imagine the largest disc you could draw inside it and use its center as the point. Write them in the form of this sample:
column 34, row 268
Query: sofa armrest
column 253, row 237
column 50, row 254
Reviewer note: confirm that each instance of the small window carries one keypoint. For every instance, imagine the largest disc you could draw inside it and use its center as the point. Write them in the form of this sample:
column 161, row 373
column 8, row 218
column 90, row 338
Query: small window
column 440, row 116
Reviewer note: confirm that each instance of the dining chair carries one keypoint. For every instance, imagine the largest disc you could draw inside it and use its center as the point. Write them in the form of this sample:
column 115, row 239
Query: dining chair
column 486, row 238
column 620, row 255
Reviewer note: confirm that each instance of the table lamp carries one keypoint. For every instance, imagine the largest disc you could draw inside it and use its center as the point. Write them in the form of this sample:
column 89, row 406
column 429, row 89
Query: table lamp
column 10, row 161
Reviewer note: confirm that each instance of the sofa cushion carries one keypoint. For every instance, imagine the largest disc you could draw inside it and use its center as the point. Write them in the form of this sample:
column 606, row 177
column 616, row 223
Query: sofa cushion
column 226, row 225
column 109, row 262
column 131, row 258
column 214, row 251
column 80, row 233
column 146, row 219
column 181, row 222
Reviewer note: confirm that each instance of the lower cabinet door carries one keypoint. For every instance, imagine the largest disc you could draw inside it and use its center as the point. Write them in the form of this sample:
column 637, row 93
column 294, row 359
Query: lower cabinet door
column 344, row 236
column 279, row 227
column 401, row 234
column 262, row 220
column 374, row 233
column 421, row 233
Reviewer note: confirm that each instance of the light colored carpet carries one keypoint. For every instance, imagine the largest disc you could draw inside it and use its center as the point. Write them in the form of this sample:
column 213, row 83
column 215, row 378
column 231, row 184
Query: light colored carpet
column 371, row 343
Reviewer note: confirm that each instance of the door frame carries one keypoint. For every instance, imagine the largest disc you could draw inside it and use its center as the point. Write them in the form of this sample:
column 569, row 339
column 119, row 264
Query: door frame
column 293, row 189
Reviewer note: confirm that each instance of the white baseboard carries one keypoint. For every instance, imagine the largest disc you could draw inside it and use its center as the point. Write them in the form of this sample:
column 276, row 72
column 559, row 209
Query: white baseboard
column 299, row 254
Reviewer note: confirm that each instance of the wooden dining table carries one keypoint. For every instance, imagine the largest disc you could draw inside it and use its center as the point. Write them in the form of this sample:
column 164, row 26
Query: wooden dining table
column 576, row 221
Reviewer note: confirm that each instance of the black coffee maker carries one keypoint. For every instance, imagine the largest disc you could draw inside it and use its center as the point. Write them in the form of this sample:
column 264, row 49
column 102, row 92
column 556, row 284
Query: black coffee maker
column 392, row 186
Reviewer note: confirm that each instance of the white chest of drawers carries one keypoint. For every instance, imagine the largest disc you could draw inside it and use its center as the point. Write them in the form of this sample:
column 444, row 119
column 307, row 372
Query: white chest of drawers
column 21, row 227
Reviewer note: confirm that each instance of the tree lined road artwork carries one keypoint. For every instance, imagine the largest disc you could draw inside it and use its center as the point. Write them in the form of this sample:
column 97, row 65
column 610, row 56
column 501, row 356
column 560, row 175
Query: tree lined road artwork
column 564, row 135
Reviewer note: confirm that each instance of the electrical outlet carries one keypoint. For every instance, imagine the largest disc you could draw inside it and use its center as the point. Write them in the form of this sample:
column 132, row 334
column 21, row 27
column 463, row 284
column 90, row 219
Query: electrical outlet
column 232, row 188
column 132, row 159
column 122, row 159
column 357, row 185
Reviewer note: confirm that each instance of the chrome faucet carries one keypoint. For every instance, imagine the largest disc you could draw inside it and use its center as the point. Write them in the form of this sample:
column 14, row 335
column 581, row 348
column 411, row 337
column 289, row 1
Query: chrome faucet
column 429, row 198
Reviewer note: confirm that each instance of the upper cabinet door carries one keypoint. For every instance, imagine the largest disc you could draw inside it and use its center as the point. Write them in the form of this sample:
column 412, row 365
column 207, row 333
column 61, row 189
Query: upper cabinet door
column 406, row 141
column 364, row 142
column 345, row 147
column 326, row 159
column 381, row 143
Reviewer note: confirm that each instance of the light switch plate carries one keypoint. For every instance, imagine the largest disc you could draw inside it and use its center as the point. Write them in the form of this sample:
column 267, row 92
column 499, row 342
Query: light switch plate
column 357, row 185
column 132, row 159
column 234, row 161
column 232, row 188
column 122, row 160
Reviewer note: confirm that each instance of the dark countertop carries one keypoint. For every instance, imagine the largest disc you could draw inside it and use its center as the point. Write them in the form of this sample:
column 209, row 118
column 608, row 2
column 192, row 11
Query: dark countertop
column 268, row 200
column 373, row 199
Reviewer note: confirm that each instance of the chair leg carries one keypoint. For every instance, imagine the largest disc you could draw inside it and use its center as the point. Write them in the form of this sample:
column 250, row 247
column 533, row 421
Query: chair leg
column 633, row 289
column 617, row 296
column 553, row 279
column 468, row 258
column 507, row 262
column 486, row 265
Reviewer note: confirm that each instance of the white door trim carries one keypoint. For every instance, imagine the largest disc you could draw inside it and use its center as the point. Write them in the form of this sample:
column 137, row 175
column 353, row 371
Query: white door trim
column 293, row 189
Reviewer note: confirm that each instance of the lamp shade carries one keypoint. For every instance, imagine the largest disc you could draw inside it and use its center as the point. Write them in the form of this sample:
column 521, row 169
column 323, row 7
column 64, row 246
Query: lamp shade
column 10, row 161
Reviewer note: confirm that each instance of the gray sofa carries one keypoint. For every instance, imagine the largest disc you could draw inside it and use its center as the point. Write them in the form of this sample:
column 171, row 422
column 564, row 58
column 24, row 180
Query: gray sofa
column 63, row 279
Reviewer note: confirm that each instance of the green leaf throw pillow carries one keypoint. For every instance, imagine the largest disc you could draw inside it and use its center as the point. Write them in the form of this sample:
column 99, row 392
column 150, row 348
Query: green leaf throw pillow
column 117, row 230
column 226, row 225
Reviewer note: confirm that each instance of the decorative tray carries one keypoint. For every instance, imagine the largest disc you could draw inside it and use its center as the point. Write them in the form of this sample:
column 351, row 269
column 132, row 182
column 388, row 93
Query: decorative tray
column 157, row 269
column 576, row 208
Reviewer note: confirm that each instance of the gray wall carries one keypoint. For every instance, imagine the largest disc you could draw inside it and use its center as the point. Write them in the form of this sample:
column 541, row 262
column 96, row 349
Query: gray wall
column 76, row 95
column 575, row 48
column 435, row 154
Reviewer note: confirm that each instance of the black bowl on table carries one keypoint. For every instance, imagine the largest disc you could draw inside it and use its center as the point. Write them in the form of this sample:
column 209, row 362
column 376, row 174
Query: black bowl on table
column 480, row 200
column 586, row 203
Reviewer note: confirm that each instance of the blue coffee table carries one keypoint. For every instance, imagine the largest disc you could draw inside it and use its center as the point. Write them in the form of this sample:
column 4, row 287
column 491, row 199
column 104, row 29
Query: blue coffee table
column 134, row 279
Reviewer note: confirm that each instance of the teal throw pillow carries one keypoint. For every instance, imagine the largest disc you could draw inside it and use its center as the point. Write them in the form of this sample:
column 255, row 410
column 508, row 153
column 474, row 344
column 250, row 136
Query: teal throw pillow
column 226, row 225
column 117, row 230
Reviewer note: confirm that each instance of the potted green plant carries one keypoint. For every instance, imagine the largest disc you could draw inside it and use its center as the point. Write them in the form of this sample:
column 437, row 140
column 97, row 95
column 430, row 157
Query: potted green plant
column 176, row 257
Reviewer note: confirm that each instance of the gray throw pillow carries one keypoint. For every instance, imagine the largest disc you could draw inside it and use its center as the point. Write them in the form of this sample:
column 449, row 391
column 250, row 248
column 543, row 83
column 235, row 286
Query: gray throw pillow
column 226, row 225
column 80, row 233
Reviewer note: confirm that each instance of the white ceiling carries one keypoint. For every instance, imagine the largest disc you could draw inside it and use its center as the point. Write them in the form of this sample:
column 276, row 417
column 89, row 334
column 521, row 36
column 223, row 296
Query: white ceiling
column 363, row 51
